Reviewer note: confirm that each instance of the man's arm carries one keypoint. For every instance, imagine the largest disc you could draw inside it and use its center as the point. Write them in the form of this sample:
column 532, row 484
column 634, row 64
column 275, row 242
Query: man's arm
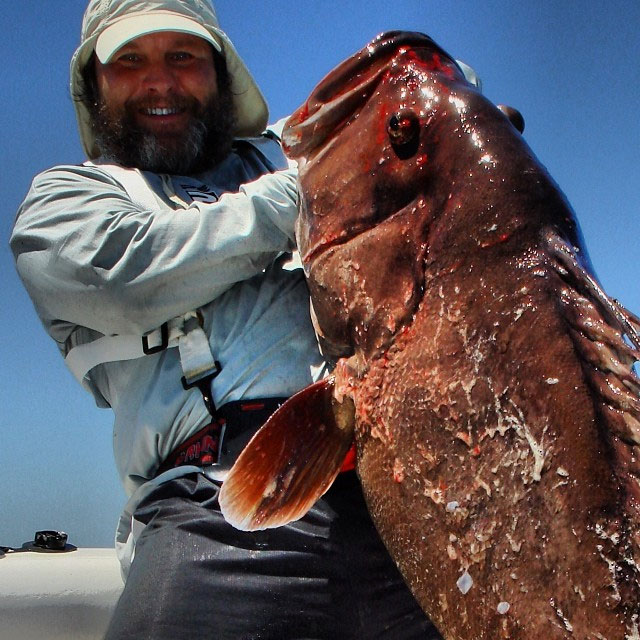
column 89, row 255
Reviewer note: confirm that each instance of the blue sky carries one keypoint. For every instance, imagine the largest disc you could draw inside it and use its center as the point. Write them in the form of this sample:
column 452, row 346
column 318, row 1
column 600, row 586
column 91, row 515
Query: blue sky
column 572, row 67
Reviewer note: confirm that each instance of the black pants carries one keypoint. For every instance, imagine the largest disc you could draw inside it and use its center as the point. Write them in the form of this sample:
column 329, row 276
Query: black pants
column 325, row 577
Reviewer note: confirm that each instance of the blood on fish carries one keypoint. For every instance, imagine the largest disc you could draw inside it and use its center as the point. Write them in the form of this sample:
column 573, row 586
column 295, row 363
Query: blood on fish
column 381, row 136
column 398, row 471
column 435, row 64
column 503, row 237
column 302, row 114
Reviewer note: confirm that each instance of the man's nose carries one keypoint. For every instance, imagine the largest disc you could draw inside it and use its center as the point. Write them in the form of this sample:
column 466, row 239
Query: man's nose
column 159, row 77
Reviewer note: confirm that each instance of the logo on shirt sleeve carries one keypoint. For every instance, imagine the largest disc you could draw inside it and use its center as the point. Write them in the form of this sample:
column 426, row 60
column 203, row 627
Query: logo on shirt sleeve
column 200, row 193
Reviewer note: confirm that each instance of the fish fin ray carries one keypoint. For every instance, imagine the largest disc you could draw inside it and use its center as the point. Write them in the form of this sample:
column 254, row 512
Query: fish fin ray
column 290, row 462
column 625, row 321
column 607, row 336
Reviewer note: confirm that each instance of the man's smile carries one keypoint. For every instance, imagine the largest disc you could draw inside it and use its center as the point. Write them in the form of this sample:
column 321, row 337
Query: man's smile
column 162, row 111
column 167, row 118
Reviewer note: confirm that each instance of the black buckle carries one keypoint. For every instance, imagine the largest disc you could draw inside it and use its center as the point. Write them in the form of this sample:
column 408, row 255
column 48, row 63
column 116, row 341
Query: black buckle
column 204, row 384
column 164, row 341
column 50, row 540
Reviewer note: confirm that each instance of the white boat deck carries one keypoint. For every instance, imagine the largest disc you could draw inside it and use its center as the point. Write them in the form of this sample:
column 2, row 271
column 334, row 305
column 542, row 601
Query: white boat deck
column 58, row 596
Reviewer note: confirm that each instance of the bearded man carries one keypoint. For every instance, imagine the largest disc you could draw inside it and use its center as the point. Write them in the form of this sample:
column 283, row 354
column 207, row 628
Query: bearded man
column 162, row 267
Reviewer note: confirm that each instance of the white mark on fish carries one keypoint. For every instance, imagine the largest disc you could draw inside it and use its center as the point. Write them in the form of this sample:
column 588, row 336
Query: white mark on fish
column 435, row 493
column 465, row 437
column 634, row 631
column 270, row 489
column 464, row 583
column 503, row 607
column 515, row 546
column 614, row 537
column 482, row 484
column 286, row 481
column 613, row 570
column 520, row 426
column 568, row 626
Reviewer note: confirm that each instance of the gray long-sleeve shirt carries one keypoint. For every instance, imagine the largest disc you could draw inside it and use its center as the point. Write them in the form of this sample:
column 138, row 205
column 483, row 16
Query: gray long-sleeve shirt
column 96, row 262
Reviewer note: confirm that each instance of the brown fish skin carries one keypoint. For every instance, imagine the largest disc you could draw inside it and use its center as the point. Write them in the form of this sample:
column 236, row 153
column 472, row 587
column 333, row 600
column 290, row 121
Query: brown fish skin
column 497, row 414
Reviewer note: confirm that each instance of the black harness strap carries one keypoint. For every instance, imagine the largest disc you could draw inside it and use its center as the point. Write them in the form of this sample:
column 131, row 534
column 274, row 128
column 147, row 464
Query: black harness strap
column 221, row 441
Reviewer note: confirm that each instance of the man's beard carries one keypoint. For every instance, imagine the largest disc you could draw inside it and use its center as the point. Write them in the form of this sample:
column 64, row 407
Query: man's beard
column 205, row 141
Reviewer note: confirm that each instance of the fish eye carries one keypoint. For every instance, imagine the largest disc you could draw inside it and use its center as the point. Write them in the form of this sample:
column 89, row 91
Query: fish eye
column 404, row 133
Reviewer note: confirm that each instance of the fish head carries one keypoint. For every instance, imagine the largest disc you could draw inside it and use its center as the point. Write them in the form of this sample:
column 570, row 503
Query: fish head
column 367, row 129
column 401, row 161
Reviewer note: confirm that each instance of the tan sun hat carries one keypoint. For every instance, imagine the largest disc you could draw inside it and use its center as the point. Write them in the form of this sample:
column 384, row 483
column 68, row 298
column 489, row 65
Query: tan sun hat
column 110, row 24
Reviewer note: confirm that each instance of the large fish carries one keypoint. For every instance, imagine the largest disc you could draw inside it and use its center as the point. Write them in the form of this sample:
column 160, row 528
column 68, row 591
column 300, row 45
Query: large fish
column 497, row 412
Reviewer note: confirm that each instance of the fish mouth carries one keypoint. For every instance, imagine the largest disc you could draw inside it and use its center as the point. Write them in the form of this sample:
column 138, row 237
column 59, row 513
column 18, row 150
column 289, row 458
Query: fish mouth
column 312, row 256
column 376, row 223
column 323, row 246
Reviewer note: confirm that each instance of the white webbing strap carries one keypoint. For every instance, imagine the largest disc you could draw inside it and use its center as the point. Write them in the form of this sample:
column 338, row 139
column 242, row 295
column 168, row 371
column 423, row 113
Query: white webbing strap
column 184, row 332
column 83, row 357
column 195, row 353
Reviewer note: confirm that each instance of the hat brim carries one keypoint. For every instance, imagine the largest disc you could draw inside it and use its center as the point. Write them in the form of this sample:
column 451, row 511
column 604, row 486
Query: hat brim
column 128, row 28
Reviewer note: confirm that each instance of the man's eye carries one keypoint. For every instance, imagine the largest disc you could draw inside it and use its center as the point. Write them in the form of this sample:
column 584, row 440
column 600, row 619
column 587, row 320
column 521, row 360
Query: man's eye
column 129, row 58
column 181, row 56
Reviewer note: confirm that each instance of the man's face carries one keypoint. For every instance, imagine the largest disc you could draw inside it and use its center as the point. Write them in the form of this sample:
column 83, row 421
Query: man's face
column 159, row 102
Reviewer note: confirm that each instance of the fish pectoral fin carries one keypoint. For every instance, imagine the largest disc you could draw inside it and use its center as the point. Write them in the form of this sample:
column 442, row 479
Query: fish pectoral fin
column 291, row 461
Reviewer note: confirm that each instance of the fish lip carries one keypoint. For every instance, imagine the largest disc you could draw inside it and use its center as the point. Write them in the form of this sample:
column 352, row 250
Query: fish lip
column 365, row 225
column 320, row 249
